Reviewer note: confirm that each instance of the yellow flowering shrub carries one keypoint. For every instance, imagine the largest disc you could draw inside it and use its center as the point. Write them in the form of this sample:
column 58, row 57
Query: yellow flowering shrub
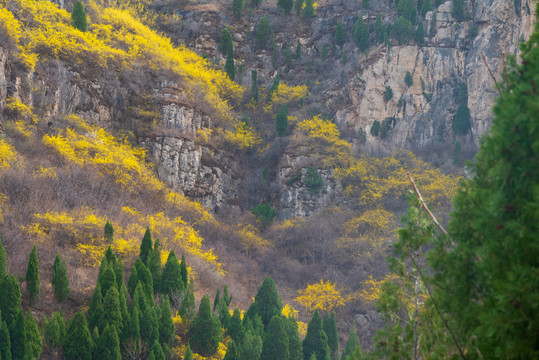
column 372, row 289
column 21, row 110
column 8, row 155
column 251, row 239
column 323, row 296
column 285, row 94
column 242, row 136
column 3, row 199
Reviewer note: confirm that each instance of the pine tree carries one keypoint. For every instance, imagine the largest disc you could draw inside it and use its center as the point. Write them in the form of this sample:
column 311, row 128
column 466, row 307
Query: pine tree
column 95, row 312
column 55, row 330
column 154, row 264
column 145, row 279
column 166, row 324
column 108, row 347
column 225, row 42
column 408, row 80
column 229, row 64
column 254, row 86
column 149, row 325
column 157, row 352
column 171, row 280
column 286, row 5
column 183, row 271
column 59, row 280
column 17, row 334
column 232, row 352
column 458, row 10
column 275, row 344
column 308, row 10
column 237, row 8
column 427, row 6
column 205, row 331
column 330, row 328
column 420, row 34
column 78, row 17
column 188, row 353
column 134, row 324
column 281, row 121
column 32, row 275
column 340, row 34
column 461, row 121
column 33, row 336
column 10, row 298
column 361, row 34
column 187, row 309
column 133, row 281
column 235, row 329
column 298, row 50
column 107, row 279
column 5, row 342
column 298, row 6
column 108, row 232
column 294, row 342
column 262, row 33
column 316, row 340
column 3, row 271
column 112, row 314
column 251, row 346
column 146, row 246
column 267, row 303
column 351, row 344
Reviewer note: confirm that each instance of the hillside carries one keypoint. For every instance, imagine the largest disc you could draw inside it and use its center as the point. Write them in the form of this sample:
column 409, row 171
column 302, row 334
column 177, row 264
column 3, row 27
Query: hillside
column 136, row 122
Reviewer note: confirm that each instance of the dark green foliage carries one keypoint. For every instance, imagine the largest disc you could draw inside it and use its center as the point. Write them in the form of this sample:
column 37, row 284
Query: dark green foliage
column 267, row 303
column 60, row 283
column 108, row 232
column 145, row 279
column 5, row 342
column 187, row 309
column 366, row 4
column 462, row 95
column 134, row 324
column 226, row 298
column 146, row 246
column 274, row 85
column 112, row 314
column 224, row 314
column 362, row 134
column 308, row 10
column 281, row 121
column 229, row 64
column 107, row 278
column 275, row 344
column 188, row 353
column 287, row 55
column 232, row 352
column 386, row 125
column 154, row 264
column 313, row 180
column 157, row 352
column 286, row 5
column 33, row 336
column 205, row 331
column 264, row 214
column 330, row 328
column 432, row 26
column 324, row 53
column 149, row 325
column 10, row 298
column 402, row 30
column 171, row 280
column 225, row 42
column 420, row 34
column 298, row 6
column 133, row 281
column 254, row 85
column 78, row 17
column 457, row 149
column 361, row 34
column 237, row 8
column 427, row 6
column 140, row 299
column 3, row 271
column 461, row 121
column 340, row 34
column 95, row 312
column 294, row 342
column 256, row 3
column 298, row 50
column 55, row 330
column 235, row 329
column 316, row 340
column 262, row 33
column 408, row 80
column 379, row 30
column 375, row 128
column 32, row 275
column 251, row 346
column 183, row 271
column 17, row 334
column 458, row 10
column 166, row 324
column 78, row 343
column 407, row 9
column 388, row 93
column 108, row 347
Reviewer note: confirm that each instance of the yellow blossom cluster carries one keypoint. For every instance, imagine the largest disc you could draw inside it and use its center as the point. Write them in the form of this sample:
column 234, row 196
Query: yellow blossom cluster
column 286, row 94
column 372, row 289
column 8, row 155
column 323, row 296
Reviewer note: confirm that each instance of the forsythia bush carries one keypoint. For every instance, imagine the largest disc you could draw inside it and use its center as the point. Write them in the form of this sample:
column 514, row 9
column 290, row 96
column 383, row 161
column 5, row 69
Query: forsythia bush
column 323, row 296
column 8, row 155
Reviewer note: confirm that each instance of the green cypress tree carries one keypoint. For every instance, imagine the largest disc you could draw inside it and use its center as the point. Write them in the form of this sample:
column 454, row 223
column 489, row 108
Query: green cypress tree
column 183, row 271
column 205, row 332
column 225, row 42
column 78, row 17
column 146, row 246
column 134, row 324
column 330, row 328
column 286, row 5
column 427, row 6
column 3, row 271
column 154, row 264
column 235, row 329
column 171, row 280
column 187, row 309
column 361, row 34
column 458, row 10
column 95, row 312
column 262, row 33
column 188, row 353
column 157, row 351
column 351, row 344
column 33, row 336
column 59, row 280
column 316, row 340
column 5, row 342
column 226, row 298
column 281, row 121
column 298, row 6
column 232, row 352
column 308, row 10
column 251, row 346
column 254, row 86
column 267, row 303
column 237, row 8
column 275, row 345
column 133, row 281
column 408, row 80
column 17, row 334
column 298, row 50
column 119, row 272
column 420, row 34
column 112, row 314
column 229, row 64
column 340, row 34
column 216, row 299
column 294, row 342
column 10, row 298
column 108, row 232
column 149, row 325
column 166, row 324
column 108, row 347
column 145, row 279
column 224, row 314
column 55, row 330
column 123, row 331
column 461, row 122
column 140, row 299
column 32, row 275
column 379, row 30
column 107, row 279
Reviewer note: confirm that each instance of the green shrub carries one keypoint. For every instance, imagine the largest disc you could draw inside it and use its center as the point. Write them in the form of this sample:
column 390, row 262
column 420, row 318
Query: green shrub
column 264, row 214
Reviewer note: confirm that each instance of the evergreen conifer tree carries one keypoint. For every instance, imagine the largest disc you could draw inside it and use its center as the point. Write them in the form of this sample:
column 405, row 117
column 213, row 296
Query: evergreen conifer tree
column 275, row 345
column 298, row 6
column 330, row 328
column 10, row 298
column 5, row 342
column 55, row 330
column 262, row 33
column 112, row 314
column 235, row 329
column 188, row 353
column 134, row 324
column 351, row 344
column 281, row 121
column 237, row 8
column 78, row 17
column 108, row 347
column 145, row 279
column 146, row 246
column 461, row 121
column 33, row 336
column 408, row 80
column 216, row 299
column 298, row 50
column 340, row 34
column 251, row 346
column 427, row 6
column 32, row 275
column 316, row 340
column 171, row 280
column 3, row 271
column 267, row 303
column 17, row 334
column 226, row 298
column 294, row 342
column 154, row 265
column 59, row 281
column 183, row 271
column 133, row 281
column 420, row 34
column 95, row 312
column 361, row 34
column 254, row 86
column 187, row 309
column 205, row 331
column 166, row 324
column 225, row 42
column 229, row 64
column 458, row 10
column 232, row 352
column 308, row 10
column 149, row 325
column 286, row 5
column 157, row 352
column 107, row 279
column 379, row 30
column 224, row 314
column 108, row 232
